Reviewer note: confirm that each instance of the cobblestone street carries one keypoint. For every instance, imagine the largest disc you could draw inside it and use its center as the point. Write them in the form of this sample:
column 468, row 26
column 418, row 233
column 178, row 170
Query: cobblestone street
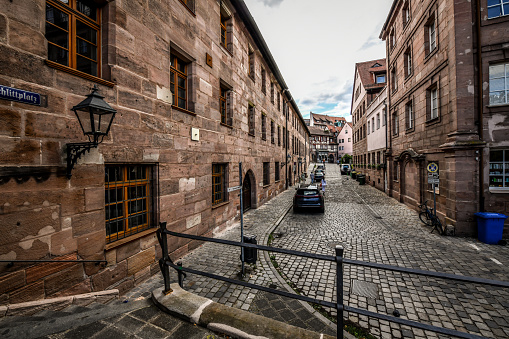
column 371, row 227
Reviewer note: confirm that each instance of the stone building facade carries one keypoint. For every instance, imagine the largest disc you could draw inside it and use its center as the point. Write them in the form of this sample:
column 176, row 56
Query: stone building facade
column 196, row 91
column 344, row 138
column 446, row 62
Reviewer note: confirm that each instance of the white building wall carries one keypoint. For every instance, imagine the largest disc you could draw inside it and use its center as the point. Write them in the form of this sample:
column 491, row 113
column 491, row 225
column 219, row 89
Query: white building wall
column 377, row 138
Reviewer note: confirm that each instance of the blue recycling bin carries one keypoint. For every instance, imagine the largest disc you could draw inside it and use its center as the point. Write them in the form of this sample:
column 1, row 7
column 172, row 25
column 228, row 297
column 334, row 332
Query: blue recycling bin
column 490, row 227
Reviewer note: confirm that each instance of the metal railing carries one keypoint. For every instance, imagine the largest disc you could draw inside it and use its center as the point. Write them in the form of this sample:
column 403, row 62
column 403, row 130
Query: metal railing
column 165, row 263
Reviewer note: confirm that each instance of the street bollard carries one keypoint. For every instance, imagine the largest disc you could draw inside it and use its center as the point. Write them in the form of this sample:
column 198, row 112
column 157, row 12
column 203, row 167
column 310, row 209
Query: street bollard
column 339, row 290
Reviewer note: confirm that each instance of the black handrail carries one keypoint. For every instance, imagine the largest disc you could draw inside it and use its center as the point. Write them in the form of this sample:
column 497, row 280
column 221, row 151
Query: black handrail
column 11, row 262
column 166, row 262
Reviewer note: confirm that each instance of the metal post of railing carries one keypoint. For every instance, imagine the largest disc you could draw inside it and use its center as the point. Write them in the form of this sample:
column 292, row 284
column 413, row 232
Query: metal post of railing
column 180, row 274
column 339, row 290
column 165, row 269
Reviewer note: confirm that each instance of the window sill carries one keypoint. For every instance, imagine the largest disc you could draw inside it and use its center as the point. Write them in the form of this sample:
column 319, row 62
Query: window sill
column 410, row 130
column 73, row 71
column 182, row 110
column 220, row 204
column 226, row 125
column 189, row 9
column 265, row 186
column 277, row 181
column 130, row 238
column 226, row 49
column 430, row 54
column 251, row 134
column 433, row 121
column 499, row 190
column 498, row 105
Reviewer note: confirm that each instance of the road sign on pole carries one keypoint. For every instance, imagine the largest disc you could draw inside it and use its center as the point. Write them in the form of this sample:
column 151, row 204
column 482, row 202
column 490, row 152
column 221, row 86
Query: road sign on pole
column 234, row 188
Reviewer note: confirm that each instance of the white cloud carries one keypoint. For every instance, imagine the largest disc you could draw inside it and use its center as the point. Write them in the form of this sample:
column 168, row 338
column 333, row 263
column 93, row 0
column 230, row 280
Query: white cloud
column 317, row 45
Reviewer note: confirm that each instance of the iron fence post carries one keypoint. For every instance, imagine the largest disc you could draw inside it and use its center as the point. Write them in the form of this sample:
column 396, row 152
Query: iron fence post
column 165, row 269
column 180, row 274
column 339, row 290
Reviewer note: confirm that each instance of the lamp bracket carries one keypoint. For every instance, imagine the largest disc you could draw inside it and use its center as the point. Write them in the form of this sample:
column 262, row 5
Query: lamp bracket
column 75, row 151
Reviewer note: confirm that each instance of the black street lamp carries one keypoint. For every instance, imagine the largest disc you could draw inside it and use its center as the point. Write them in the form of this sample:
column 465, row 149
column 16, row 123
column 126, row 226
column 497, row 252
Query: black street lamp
column 95, row 117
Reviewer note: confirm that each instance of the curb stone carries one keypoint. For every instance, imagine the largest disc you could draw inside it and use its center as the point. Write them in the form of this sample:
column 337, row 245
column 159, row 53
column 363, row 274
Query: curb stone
column 228, row 320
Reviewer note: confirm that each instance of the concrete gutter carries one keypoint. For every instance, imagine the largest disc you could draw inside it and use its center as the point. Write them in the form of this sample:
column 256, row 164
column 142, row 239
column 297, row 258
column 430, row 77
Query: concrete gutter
column 227, row 320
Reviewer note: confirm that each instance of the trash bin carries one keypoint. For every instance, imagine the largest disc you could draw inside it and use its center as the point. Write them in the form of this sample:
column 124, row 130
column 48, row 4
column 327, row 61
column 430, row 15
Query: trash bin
column 354, row 174
column 490, row 227
column 250, row 254
column 361, row 179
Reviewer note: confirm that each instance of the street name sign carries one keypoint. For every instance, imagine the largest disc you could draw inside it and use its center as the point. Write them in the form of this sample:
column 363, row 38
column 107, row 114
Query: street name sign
column 234, row 188
column 14, row 94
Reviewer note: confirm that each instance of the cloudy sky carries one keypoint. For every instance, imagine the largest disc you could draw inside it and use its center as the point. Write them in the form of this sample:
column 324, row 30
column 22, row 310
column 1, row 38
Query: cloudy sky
column 317, row 43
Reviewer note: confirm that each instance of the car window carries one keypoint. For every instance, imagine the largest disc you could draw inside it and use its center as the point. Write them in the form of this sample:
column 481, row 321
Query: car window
column 307, row 192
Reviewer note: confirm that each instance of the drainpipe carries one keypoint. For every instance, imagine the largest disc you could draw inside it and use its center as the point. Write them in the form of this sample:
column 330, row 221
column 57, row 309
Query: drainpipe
column 481, row 106
column 285, row 111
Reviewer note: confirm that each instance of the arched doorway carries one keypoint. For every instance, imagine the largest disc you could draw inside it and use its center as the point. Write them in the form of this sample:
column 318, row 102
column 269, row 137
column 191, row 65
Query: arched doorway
column 248, row 191
column 331, row 158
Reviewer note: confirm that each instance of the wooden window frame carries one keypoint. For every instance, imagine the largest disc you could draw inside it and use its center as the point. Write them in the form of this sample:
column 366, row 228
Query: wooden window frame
column 124, row 184
column 75, row 16
column 430, row 106
column 219, row 170
column 264, row 126
column 251, row 66
column 251, row 119
column 408, row 62
column 175, row 74
column 266, row 173
column 189, row 5
column 272, row 132
column 395, row 123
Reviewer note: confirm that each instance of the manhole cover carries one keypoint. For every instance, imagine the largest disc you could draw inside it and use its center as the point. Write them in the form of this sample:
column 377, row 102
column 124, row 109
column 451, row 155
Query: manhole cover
column 365, row 289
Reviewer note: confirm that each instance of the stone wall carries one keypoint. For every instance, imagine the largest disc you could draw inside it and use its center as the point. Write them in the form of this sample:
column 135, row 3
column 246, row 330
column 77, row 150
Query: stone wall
column 44, row 215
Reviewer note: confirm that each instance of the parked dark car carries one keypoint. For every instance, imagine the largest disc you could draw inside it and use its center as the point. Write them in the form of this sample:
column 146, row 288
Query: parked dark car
column 319, row 176
column 308, row 197
column 320, row 168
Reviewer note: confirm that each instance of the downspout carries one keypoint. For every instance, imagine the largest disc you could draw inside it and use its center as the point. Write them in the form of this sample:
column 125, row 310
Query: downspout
column 480, row 108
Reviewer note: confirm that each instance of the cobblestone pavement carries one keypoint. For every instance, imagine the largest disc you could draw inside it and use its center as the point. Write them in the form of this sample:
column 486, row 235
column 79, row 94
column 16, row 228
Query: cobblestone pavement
column 373, row 227
column 225, row 261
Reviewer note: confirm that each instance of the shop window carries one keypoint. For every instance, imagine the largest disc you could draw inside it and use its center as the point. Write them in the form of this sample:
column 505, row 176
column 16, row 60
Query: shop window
column 129, row 200
column 499, row 168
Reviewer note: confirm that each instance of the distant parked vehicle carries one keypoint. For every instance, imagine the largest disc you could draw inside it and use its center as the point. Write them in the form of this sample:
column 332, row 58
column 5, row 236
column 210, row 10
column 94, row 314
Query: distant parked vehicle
column 319, row 176
column 308, row 197
column 345, row 169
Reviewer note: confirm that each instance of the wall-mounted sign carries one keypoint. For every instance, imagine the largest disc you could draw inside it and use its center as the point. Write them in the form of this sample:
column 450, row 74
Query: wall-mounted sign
column 14, row 94
column 432, row 167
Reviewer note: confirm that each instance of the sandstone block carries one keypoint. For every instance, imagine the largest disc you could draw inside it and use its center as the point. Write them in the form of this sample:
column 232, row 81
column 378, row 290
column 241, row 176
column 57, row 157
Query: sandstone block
column 109, row 276
column 12, row 281
column 10, row 122
column 63, row 243
column 30, row 292
column 32, row 307
column 92, row 244
column 45, row 269
column 64, row 279
column 140, row 260
column 87, row 223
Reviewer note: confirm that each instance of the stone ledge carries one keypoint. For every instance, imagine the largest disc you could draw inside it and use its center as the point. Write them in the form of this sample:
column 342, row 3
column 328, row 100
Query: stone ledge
column 226, row 320
column 55, row 304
